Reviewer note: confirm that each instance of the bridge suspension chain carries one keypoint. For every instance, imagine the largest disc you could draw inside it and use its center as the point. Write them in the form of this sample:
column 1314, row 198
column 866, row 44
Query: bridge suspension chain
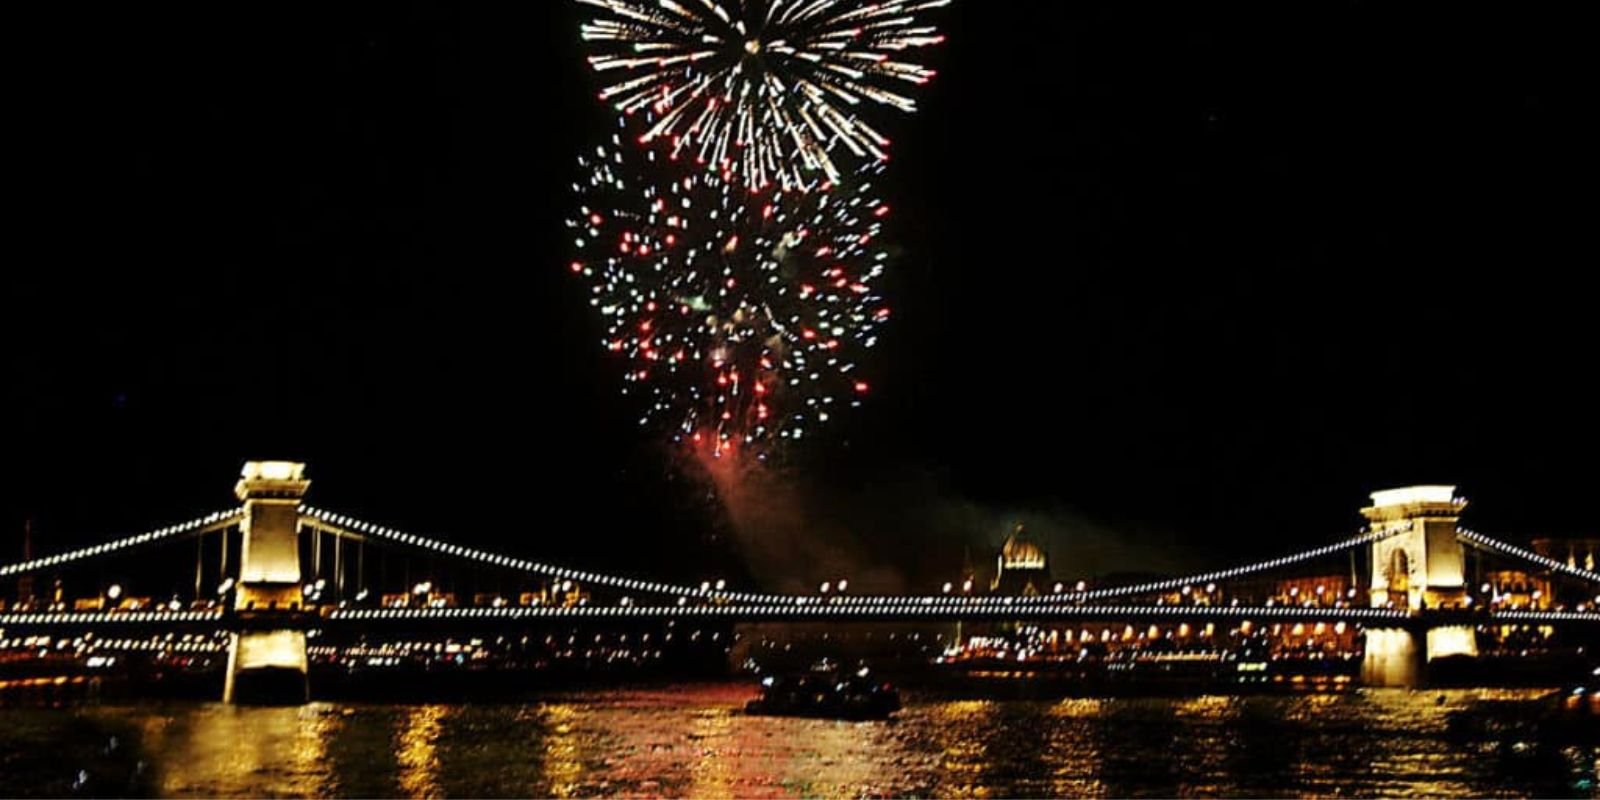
column 341, row 524
column 359, row 527
column 197, row 526
column 1236, row 572
column 1504, row 548
column 910, row 610
column 1545, row 616
column 109, row 617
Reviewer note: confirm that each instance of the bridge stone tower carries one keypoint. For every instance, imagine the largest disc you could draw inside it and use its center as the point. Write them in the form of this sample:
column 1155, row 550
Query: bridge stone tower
column 269, row 664
column 1419, row 565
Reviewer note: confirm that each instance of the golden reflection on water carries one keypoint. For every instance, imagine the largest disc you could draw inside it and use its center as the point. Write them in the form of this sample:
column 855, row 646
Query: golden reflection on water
column 711, row 773
column 1311, row 707
column 417, row 749
column 1072, row 751
column 843, row 759
column 964, row 752
column 1078, row 708
column 696, row 742
column 1204, row 747
column 1208, row 708
column 563, row 766
column 242, row 751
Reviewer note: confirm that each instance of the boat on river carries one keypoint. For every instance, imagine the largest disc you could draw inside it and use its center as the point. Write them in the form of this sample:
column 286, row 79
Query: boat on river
column 826, row 691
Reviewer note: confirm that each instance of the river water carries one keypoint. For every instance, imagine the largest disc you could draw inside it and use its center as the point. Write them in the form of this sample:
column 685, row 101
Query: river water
column 694, row 741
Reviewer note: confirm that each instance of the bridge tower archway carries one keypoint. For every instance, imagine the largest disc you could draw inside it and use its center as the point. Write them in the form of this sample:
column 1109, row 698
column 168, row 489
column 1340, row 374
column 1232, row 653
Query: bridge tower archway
column 268, row 664
column 1420, row 564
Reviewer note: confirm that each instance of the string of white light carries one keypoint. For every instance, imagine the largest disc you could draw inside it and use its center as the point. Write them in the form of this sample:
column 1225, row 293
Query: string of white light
column 340, row 523
column 351, row 526
column 910, row 610
column 1238, row 572
column 1545, row 616
column 103, row 617
column 898, row 610
column 1473, row 537
column 199, row 525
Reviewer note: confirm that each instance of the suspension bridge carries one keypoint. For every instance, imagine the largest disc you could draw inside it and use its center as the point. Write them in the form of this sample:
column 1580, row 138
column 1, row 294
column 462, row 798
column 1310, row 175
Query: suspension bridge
column 285, row 571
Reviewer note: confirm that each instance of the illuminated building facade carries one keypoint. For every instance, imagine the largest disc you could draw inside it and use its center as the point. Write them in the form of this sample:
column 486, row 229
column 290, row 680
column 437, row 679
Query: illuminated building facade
column 1022, row 567
column 1574, row 552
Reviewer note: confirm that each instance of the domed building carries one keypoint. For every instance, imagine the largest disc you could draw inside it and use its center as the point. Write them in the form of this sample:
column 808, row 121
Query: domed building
column 1022, row 567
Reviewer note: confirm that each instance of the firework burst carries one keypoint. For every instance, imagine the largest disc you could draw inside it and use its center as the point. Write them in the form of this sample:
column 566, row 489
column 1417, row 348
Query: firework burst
column 741, row 316
column 765, row 89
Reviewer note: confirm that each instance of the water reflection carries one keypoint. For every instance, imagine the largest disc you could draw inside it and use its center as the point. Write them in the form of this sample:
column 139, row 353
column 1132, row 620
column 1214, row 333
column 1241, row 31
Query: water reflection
column 1204, row 736
column 416, row 750
column 958, row 730
column 559, row 751
column 1073, row 749
column 695, row 741
column 711, row 771
column 231, row 750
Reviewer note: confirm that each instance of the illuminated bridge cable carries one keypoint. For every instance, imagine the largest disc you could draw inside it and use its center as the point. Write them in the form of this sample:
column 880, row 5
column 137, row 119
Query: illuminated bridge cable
column 194, row 527
column 1545, row 616
column 791, row 611
column 340, row 524
column 1167, row 585
column 337, row 523
column 109, row 618
column 1236, row 572
column 1487, row 543
column 908, row 610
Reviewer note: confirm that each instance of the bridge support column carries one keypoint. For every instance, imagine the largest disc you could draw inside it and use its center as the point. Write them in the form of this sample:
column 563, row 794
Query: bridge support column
column 1392, row 659
column 1419, row 566
column 267, row 668
column 266, row 663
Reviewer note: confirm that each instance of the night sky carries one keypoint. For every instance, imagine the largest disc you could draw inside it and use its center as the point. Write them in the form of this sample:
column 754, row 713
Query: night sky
column 1179, row 285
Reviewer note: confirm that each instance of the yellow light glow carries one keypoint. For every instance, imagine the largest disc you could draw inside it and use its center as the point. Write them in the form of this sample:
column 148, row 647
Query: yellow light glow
column 273, row 470
column 1414, row 494
column 417, row 750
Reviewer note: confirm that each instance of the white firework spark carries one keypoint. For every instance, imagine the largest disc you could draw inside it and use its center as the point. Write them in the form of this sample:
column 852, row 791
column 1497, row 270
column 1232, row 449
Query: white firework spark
column 741, row 316
column 765, row 89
